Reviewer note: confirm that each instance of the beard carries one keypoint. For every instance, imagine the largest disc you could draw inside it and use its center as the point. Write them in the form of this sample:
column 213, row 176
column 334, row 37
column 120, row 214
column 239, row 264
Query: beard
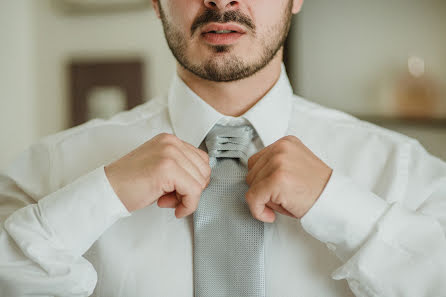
column 228, row 67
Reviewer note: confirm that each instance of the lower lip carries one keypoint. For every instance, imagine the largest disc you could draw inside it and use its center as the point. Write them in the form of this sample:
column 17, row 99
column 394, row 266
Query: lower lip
column 221, row 39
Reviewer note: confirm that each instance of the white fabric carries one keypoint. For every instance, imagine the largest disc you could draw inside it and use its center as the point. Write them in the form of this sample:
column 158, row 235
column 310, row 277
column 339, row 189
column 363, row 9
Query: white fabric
column 378, row 229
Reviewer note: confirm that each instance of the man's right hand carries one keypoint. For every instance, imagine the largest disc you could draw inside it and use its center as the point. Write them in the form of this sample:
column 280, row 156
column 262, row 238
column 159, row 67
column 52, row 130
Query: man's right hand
column 166, row 169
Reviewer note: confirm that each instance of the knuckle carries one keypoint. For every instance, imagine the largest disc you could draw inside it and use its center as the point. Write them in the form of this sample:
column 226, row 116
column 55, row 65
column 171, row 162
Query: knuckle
column 290, row 138
column 278, row 160
column 167, row 138
column 167, row 164
column 170, row 149
column 277, row 199
column 163, row 135
column 279, row 176
column 281, row 146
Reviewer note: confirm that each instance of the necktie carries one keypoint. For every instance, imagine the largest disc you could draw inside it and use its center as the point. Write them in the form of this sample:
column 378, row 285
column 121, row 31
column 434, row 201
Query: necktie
column 228, row 241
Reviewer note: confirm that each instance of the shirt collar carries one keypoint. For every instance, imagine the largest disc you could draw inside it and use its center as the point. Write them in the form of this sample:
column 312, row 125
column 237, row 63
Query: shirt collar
column 192, row 117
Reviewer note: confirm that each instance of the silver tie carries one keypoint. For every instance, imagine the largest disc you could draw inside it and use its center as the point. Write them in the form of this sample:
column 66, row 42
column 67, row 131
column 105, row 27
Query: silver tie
column 228, row 241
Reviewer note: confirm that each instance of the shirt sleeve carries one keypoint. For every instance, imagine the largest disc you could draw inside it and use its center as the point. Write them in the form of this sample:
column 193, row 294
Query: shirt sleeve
column 42, row 243
column 395, row 248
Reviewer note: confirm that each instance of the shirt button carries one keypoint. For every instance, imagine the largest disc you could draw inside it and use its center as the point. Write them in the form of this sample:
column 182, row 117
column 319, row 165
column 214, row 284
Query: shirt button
column 331, row 246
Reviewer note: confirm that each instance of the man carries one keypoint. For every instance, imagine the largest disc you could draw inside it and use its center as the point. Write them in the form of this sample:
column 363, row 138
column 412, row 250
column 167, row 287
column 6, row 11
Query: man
column 348, row 208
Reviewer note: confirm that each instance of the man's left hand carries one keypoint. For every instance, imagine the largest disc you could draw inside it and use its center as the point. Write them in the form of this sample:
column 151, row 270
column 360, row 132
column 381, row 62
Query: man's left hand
column 285, row 177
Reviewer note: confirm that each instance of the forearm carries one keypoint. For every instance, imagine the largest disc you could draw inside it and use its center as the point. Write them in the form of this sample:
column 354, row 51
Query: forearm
column 43, row 243
column 387, row 249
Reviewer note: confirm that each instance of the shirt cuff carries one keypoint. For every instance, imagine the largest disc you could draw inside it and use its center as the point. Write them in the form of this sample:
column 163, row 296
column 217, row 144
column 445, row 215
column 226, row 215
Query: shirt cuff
column 71, row 218
column 344, row 215
column 80, row 212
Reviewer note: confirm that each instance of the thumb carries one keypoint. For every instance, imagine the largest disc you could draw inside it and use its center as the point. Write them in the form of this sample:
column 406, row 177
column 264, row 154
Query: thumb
column 169, row 200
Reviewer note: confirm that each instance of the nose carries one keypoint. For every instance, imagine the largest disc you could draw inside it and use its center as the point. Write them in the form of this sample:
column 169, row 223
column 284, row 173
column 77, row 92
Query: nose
column 221, row 4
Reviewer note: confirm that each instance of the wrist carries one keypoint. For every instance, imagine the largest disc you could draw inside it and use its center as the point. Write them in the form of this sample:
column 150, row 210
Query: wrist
column 113, row 178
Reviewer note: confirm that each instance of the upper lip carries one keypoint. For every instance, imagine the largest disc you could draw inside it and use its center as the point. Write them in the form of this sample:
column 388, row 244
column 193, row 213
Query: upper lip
column 222, row 27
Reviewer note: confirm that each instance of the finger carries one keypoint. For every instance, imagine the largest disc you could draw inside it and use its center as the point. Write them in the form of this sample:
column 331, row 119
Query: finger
column 265, row 172
column 199, row 158
column 257, row 197
column 254, row 158
column 188, row 161
column 188, row 190
column 257, row 167
column 200, row 152
column 186, row 207
column 168, row 201
column 280, row 209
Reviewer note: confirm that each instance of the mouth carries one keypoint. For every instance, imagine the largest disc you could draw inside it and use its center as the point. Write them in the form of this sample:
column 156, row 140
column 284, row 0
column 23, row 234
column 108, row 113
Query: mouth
column 222, row 34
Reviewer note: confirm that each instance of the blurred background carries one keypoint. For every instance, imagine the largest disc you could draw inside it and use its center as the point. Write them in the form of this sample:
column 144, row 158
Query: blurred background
column 64, row 62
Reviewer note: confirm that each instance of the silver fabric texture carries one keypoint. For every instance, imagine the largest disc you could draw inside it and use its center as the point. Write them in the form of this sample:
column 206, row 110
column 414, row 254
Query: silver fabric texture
column 228, row 241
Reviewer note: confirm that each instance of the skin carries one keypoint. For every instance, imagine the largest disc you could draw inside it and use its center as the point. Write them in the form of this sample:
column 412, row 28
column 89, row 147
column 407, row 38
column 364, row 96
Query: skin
column 236, row 97
column 285, row 176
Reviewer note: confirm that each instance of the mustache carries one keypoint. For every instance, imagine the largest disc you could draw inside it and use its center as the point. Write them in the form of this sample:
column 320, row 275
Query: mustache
column 211, row 15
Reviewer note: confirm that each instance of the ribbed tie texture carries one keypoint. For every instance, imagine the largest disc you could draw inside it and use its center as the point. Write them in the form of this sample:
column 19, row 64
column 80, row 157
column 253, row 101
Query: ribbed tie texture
column 228, row 241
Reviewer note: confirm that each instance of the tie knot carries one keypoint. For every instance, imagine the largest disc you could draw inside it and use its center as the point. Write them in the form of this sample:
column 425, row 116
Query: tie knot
column 229, row 141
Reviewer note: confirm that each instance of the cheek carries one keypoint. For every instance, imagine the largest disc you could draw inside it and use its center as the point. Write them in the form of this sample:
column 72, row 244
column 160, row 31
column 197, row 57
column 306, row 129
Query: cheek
column 183, row 13
column 268, row 13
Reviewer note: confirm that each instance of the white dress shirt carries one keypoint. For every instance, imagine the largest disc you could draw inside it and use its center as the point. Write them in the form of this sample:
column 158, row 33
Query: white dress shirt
column 378, row 228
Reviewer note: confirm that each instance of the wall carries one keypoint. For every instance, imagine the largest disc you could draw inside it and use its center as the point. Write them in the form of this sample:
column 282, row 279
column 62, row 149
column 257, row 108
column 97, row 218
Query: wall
column 60, row 38
column 343, row 50
column 347, row 55
column 348, row 50
column 38, row 41
column 17, row 87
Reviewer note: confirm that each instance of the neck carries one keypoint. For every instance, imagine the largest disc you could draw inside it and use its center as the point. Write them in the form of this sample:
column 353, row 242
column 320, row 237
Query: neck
column 237, row 97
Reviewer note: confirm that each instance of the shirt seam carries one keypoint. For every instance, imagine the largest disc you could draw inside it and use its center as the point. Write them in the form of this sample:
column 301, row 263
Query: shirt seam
column 405, row 170
column 52, row 144
column 95, row 123
column 348, row 120
column 51, row 167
